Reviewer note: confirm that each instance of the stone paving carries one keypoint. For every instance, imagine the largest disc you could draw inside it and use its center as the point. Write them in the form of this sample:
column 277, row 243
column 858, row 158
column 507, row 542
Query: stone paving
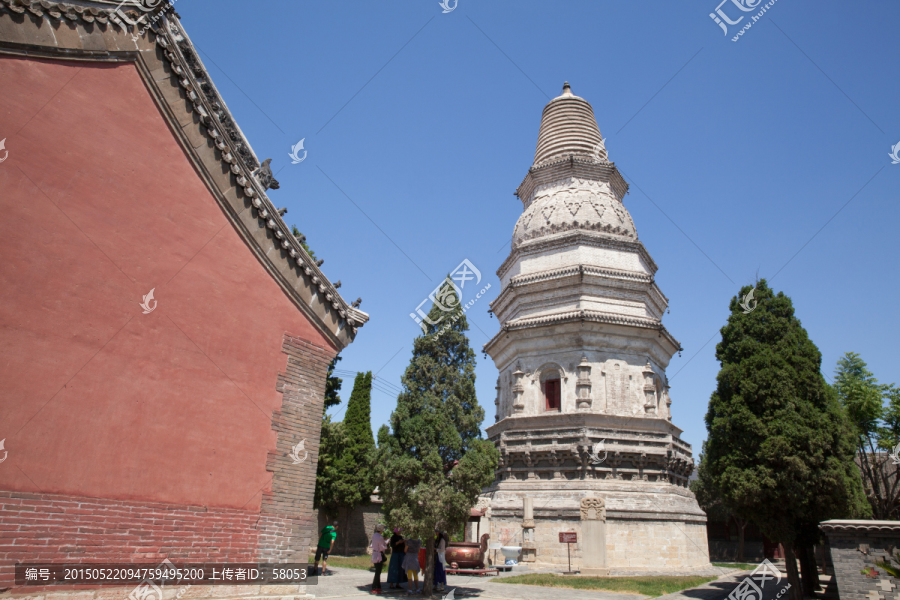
column 345, row 583
column 714, row 590
column 356, row 582
column 721, row 587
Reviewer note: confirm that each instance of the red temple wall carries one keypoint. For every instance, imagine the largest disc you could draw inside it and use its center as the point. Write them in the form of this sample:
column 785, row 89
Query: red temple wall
column 99, row 401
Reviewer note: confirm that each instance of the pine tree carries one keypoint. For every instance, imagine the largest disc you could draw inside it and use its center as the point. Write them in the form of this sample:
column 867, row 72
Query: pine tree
column 780, row 449
column 344, row 480
column 433, row 464
column 877, row 428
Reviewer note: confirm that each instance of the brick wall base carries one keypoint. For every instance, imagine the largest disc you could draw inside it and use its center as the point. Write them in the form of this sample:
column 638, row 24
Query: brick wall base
column 59, row 528
column 299, row 420
column 56, row 528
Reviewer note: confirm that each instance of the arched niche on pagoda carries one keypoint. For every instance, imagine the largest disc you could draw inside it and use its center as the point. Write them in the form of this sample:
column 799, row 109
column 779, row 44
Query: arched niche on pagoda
column 551, row 394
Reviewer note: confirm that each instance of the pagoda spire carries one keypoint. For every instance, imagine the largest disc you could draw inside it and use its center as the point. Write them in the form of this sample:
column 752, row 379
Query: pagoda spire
column 568, row 127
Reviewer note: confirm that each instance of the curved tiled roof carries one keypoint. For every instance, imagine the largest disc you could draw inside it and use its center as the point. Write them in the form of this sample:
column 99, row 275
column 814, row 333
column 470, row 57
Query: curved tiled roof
column 568, row 127
column 106, row 31
column 860, row 526
column 577, row 237
column 519, row 280
column 587, row 315
column 584, row 316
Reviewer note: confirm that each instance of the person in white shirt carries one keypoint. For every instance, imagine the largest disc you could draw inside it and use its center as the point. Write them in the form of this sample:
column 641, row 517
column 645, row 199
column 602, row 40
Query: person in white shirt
column 379, row 545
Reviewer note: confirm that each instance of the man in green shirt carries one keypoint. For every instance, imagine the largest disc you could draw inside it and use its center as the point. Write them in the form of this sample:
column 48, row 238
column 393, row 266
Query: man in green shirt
column 326, row 543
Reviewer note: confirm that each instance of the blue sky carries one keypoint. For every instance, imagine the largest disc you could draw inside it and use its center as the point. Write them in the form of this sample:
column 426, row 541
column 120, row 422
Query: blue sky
column 765, row 156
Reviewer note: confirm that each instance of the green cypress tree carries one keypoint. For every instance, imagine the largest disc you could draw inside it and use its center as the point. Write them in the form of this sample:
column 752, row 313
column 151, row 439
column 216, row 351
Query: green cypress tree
column 328, row 471
column 346, row 480
column 433, row 465
column 332, row 385
column 780, row 449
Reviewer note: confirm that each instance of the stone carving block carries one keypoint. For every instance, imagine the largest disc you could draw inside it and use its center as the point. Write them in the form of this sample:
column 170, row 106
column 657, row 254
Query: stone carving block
column 593, row 509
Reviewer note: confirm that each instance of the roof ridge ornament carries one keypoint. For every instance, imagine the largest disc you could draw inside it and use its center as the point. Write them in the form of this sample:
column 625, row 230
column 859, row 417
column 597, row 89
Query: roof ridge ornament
column 265, row 177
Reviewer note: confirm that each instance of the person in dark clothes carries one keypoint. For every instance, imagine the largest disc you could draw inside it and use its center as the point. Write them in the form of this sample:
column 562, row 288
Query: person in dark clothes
column 396, row 575
column 440, row 548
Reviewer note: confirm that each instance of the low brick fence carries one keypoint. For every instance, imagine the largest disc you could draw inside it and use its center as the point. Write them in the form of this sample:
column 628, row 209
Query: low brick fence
column 855, row 547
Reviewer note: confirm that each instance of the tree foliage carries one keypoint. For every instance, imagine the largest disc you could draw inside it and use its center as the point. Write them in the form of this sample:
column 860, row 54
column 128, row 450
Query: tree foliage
column 328, row 470
column 874, row 411
column 708, row 497
column 710, row 500
column 344, row 474
column 360, row 442
column 432, row 464
column 332, row 385
column 302, row 239
column 780, row 449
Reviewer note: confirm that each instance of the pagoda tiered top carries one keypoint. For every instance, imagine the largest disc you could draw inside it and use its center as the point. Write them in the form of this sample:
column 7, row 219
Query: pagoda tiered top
column 572, row 186
column 568, row 127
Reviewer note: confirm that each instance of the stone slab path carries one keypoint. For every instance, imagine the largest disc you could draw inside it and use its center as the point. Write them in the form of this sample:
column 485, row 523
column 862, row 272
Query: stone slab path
column 345, row 583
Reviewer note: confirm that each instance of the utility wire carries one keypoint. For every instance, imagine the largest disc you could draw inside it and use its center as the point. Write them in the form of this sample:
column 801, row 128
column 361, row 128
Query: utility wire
column 382, row 381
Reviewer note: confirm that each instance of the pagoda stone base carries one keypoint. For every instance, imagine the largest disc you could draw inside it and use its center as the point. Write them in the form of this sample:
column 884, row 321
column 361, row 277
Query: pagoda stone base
column 648, row 528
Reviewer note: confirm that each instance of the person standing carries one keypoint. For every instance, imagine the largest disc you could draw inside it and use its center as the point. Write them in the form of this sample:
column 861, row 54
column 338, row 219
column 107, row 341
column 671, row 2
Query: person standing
column 396, row 575
column 323, row 548
column 440, row 561
column 379, row 545
column 423, row 557
column 411, row 565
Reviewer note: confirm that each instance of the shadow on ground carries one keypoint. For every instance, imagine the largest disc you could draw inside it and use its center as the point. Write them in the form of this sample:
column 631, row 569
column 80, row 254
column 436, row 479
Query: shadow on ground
column 713, row 589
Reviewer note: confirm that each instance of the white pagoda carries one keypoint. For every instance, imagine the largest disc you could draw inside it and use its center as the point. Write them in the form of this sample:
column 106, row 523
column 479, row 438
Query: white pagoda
column 583, row 409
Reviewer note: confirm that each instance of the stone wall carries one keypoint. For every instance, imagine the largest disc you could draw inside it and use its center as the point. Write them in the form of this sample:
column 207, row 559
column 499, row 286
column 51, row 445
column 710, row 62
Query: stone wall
column 632, row 546
column 727, row 551
column 362, row 525
column 674, row 544
column 856, row 546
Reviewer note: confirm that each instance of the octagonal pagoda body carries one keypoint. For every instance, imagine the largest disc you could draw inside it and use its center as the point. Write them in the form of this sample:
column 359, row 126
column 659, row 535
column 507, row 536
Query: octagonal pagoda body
column 583, row 406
